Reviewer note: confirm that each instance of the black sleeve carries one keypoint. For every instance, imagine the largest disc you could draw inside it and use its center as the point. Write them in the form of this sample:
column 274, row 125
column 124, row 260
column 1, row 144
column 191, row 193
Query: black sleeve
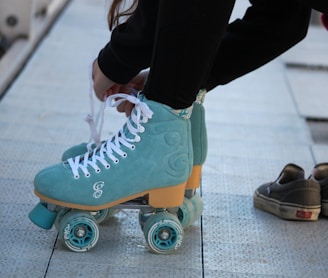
column 319, row 5
column 268, row 29
column 131, row 44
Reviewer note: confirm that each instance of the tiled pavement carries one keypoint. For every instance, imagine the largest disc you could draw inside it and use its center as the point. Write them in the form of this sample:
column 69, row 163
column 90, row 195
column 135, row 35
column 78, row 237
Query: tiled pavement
column 255, row 126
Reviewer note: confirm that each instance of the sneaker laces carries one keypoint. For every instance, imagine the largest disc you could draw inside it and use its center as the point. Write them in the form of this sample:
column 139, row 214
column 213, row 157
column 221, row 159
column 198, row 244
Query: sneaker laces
column 126, row 136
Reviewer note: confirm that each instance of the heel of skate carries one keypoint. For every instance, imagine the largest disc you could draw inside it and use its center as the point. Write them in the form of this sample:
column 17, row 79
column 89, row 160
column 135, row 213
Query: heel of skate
column 167, row 197
column 194, row 179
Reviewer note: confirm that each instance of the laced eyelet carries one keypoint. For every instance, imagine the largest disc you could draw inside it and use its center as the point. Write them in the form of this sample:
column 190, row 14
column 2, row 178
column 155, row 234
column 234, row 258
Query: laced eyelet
column 130, row 134
column 141, row 129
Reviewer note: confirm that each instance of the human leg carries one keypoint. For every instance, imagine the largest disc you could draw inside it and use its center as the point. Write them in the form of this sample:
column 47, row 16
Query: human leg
column 186, row 41
column 150, row 156
column 267, row 29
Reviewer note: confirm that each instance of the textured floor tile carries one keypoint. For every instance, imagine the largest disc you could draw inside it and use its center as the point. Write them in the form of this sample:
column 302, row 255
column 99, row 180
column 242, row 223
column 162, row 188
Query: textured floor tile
column 254, row 129
column 309, row 88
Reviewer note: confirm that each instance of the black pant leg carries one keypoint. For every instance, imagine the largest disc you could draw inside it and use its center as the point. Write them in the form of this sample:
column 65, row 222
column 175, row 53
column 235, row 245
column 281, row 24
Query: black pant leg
column 268, row 28
column 188, row 34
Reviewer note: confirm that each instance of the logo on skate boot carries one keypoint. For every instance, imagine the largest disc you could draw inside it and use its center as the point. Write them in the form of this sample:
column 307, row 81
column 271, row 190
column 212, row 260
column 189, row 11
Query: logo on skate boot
column 97, row 187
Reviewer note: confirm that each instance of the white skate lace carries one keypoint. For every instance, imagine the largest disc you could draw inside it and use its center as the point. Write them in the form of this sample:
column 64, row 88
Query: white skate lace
column 111, row 149
column 95, row 134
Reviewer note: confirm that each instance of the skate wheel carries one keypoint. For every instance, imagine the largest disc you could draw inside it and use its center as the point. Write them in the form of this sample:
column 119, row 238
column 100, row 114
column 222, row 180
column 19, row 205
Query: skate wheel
column 185, row 213
column 79, row 231
column 198, row 205
column 103, row 215
column 42, row 217
column 60, row 216
column 163, row 232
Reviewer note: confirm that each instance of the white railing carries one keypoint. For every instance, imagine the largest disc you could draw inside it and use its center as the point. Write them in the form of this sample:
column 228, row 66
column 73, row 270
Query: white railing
column 22, row 25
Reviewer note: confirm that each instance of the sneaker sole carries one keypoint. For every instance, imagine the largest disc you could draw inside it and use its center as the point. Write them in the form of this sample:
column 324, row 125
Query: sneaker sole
column 288, row 211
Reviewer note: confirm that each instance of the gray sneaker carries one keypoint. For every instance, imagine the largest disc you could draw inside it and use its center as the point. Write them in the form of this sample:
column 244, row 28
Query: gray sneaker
column 290, row 196
column 320, row 174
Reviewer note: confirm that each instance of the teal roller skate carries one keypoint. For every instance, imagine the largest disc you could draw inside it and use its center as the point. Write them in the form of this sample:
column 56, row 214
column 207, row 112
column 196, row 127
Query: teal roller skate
column 192, row 206
column 149, row 161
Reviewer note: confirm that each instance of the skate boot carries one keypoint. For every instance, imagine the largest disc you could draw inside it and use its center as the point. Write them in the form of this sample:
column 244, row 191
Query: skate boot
column 192, row 206
column 150, row 157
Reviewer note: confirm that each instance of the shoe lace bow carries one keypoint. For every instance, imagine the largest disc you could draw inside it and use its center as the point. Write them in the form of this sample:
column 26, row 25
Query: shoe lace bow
column 111, row 148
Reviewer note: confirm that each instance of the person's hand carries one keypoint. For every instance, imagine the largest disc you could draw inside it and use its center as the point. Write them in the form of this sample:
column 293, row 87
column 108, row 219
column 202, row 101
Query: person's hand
column 105, row 87
column 102, row 85
column 136, row 84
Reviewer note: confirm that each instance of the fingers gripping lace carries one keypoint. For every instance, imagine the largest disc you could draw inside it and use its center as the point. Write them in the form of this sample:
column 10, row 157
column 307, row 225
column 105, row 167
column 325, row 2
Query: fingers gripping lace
column 112, row 148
